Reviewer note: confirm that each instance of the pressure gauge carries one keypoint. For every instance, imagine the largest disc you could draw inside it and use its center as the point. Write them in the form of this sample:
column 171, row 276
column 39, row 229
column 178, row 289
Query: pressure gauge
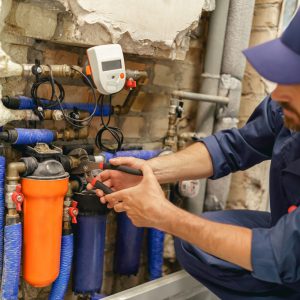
column 107, row 68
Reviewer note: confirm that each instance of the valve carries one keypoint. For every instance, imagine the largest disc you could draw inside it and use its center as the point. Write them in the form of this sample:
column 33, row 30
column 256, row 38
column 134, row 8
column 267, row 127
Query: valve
column 18, row 198
column 179, row 109
column 130, row 84
column 73, row 212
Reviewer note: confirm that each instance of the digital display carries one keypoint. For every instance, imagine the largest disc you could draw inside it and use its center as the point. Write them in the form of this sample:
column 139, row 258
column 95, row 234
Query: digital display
column 111, row 65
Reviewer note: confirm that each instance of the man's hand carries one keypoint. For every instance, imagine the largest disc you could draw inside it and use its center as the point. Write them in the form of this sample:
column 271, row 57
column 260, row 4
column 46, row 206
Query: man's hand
column 117, row 180
column 144, row 203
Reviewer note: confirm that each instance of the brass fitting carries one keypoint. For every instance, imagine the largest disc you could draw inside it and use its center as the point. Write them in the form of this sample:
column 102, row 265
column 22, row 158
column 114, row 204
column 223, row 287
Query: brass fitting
column 69, row 134
column 14, row 169
column 67, row 204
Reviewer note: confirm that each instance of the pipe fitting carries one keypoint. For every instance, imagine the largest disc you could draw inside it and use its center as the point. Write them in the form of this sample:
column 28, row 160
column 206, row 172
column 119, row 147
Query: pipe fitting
column 14, row 169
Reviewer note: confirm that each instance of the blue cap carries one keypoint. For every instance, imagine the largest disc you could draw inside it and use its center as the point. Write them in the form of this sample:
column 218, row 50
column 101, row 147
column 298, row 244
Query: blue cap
column 279, row 59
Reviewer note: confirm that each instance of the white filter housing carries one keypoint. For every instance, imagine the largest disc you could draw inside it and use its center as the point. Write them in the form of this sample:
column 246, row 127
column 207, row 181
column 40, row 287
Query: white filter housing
column 107, row 67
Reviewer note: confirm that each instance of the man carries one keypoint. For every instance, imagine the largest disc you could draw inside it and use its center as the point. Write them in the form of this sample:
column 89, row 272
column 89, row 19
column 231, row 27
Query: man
column 236, row 254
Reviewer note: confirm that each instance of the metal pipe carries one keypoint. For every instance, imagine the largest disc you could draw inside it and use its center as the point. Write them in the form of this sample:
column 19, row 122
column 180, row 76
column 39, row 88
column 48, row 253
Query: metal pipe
column 210, row 85
column 201, row 97
column 233, row 66
column 212, row 64
column 69, row 72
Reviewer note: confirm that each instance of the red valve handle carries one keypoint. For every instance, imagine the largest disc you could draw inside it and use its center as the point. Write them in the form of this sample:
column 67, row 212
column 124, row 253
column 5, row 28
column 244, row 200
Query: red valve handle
column 130, row 83
column 17, row 197
column 73, row 212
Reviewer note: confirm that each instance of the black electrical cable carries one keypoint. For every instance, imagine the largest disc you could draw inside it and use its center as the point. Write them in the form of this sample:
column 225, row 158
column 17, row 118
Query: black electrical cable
column 115, row 132
column 78, row 123
column 40, row 106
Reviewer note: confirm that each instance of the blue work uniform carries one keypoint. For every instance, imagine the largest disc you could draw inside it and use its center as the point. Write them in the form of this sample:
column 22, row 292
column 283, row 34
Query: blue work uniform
column 275, row 236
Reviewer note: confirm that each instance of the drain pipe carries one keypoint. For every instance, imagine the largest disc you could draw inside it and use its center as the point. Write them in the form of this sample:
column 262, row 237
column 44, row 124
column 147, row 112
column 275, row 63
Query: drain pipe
column 210, row 86
column 233, row 67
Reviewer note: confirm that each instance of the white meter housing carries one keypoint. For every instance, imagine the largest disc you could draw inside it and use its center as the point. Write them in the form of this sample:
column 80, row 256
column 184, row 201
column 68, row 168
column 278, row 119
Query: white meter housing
column 107, row 67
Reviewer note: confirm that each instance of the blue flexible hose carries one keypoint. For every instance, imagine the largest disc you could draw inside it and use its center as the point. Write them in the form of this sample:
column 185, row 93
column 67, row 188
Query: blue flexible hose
column 12, row 261
column 155, row 252
column 33, row 136
column 28, row 103
column 2, row 209
column 60, row 285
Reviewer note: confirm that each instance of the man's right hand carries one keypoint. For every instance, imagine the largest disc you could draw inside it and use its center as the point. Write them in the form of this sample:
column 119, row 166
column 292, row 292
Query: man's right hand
column 117, row 180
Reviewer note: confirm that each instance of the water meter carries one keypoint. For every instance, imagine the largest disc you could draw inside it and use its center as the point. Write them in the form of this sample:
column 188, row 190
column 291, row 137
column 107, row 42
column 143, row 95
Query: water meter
column 107, row 68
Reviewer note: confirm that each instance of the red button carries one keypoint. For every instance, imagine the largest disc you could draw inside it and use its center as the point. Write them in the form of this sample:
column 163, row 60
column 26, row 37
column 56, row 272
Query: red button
column 122, row 75
column 292, row 208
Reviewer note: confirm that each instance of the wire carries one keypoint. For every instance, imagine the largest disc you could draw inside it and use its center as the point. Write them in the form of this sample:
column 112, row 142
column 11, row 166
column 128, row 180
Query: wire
column 115, row 132
column 40, row 106
column 78, row 123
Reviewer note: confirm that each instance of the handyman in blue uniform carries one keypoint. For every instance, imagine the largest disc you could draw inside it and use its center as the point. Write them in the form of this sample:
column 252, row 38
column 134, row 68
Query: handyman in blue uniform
column 236, row 254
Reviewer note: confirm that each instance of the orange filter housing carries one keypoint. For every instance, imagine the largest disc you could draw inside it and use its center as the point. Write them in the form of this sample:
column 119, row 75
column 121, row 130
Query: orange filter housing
column 43, row 212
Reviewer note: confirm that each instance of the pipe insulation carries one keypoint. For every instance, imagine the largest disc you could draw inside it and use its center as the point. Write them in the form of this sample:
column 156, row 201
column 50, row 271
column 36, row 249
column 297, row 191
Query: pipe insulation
column 142, row 154
column 237, row 37
column 60, row 285
column 155, row 252
column 11, row 262
column 233, row 66
column 33, row 136
column 2, row 209
column 22, row 102
column 9, row 115
column 129, row 243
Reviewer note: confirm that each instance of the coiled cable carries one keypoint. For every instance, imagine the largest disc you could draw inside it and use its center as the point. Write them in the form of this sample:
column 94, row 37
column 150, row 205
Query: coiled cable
column 115, row 132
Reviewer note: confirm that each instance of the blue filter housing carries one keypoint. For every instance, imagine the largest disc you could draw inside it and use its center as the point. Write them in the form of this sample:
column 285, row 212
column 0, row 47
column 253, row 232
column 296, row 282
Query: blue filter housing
column 128, row 246
column 89, row 233
column 155, row 252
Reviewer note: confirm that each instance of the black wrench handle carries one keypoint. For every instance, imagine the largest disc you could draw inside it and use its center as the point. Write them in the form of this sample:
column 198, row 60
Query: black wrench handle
column 124, row 169
column 101, row 186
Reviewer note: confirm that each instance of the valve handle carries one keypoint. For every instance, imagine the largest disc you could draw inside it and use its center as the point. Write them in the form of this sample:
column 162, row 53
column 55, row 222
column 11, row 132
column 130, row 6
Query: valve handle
column 17, row 197
column 73, row 212
column 130, row 84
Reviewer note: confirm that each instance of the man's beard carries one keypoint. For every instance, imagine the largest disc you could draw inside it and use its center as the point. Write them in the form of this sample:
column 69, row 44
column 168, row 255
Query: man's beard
column 288, row 123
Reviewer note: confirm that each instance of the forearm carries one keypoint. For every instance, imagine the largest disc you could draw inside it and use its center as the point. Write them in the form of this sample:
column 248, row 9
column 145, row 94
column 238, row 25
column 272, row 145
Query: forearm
column 227, row 242
column 191, row 163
